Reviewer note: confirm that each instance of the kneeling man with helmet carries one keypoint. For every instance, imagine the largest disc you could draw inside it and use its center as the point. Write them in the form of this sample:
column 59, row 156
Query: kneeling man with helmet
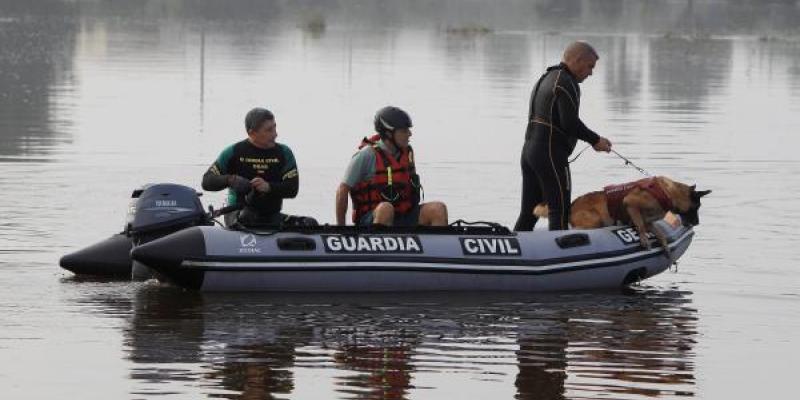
column 382, row 180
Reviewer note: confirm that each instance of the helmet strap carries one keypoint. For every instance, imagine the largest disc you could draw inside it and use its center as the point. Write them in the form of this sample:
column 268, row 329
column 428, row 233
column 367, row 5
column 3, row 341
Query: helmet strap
column 393, row 142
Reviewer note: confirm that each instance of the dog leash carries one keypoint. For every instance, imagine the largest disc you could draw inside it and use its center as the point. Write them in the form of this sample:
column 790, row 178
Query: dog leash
column 579, row 154
column 629, row 162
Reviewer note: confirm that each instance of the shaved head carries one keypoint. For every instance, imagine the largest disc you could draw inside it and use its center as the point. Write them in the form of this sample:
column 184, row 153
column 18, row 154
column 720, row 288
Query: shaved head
column 580, row 58
column 577, row 51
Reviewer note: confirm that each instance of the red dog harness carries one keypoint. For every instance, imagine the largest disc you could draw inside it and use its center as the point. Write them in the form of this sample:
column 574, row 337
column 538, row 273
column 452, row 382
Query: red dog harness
column 616, row 193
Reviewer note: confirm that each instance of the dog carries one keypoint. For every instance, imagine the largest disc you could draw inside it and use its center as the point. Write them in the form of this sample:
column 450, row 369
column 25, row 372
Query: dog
column 638, row 203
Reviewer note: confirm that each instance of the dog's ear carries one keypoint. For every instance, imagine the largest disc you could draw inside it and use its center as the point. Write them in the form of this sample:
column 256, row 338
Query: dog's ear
column 702, row 193
column 692, row 187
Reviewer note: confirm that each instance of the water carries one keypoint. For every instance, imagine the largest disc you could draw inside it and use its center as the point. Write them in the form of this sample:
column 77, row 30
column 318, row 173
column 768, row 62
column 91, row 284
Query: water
column 97, row 98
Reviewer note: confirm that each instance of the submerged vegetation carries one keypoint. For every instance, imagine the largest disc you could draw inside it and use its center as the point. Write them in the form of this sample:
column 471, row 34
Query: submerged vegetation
column 471, row 30
column 313, row 22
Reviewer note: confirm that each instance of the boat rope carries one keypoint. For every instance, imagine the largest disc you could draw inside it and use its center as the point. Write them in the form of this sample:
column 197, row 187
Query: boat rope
column 466, row 224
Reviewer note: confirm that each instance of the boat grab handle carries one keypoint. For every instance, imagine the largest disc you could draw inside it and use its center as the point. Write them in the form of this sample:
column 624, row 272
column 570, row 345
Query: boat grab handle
column 296, row 243
column 573, row 240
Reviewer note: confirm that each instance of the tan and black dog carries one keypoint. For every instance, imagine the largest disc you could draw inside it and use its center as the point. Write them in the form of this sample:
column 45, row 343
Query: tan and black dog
column 638, row 203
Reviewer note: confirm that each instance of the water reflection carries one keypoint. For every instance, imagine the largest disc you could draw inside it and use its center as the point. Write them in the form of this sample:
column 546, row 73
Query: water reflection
column 685, row 68
column 36, row 54
column 623, row 70
column 259, row 370
column 542, row 359
column 384, row 370
column 380, row 346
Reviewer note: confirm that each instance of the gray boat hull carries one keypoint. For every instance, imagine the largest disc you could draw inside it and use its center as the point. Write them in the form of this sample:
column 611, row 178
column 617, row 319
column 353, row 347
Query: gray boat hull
column 216, row 259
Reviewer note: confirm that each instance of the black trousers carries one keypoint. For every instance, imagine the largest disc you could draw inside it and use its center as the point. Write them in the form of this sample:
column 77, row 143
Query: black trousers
column 250, row 217
column 545, row 178
column 247, row 217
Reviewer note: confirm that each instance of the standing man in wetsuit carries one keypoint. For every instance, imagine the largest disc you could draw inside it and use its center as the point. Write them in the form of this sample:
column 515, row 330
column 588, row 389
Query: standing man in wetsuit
column 258, row 172
column 553, row 131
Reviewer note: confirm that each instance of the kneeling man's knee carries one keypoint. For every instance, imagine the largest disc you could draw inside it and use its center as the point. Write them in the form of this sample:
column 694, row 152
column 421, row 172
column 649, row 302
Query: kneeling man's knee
column 439, row 207
column 433, row 213
column 383, row 213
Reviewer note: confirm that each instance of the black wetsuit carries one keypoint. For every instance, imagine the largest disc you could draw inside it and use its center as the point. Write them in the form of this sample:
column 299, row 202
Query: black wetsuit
column 277, row 166
column 552, row 133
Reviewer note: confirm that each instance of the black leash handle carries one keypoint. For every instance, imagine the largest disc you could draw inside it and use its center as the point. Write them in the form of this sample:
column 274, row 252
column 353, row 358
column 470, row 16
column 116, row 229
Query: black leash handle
column 579, row 153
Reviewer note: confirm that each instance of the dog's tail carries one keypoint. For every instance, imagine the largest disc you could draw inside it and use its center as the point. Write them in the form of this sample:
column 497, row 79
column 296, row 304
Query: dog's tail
column 541, row 210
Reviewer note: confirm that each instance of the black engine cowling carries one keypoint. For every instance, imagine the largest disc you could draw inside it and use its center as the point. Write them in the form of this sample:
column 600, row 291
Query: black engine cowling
column 160, row 209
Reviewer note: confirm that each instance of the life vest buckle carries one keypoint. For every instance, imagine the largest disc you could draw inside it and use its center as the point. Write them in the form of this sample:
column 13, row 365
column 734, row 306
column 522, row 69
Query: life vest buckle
column 389, row 194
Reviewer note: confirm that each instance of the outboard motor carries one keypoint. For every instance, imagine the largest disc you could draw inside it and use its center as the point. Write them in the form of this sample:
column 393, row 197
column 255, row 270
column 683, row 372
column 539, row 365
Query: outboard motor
column 159, row 209
column 155, row 210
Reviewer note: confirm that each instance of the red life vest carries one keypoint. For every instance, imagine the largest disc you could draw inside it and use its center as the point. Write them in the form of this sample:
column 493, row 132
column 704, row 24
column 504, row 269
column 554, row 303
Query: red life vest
column 615, row 194
column 392, row 182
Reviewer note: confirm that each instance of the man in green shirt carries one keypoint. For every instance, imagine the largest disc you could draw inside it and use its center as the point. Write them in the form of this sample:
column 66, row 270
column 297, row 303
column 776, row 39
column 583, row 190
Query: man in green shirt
column 258, row 172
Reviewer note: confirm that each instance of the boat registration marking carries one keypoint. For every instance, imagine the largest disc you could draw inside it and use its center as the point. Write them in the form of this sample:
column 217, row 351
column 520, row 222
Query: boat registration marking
column 372, row 244
column 629, row 235
column 489, row 246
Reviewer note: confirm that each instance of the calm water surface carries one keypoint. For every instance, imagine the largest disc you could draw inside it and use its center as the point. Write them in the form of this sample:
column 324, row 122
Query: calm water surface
column 98, row 98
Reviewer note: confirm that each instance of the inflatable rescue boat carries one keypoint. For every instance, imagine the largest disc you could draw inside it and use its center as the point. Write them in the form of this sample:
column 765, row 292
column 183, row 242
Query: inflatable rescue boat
column 168, row 232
